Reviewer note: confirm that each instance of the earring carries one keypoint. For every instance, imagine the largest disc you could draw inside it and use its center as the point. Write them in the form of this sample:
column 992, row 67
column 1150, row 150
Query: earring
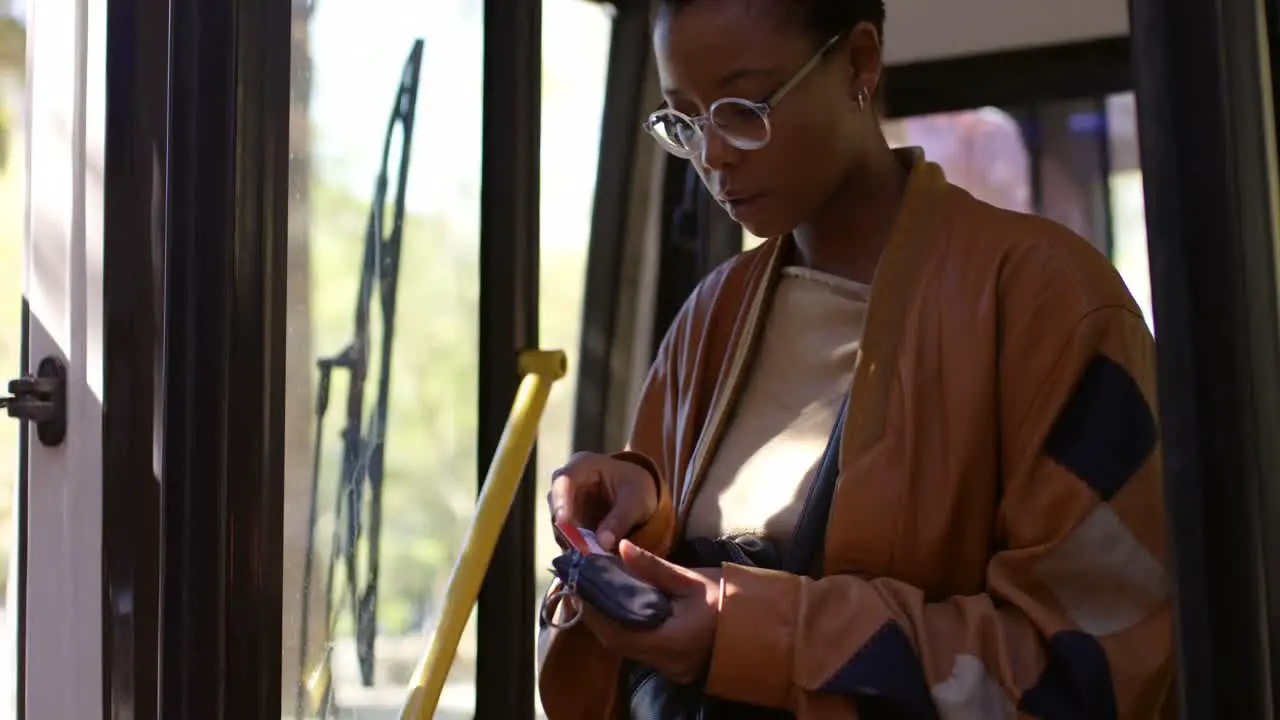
column 863, row 98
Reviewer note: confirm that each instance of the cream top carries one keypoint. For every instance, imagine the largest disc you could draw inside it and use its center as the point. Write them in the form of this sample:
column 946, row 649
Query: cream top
column 767, row 457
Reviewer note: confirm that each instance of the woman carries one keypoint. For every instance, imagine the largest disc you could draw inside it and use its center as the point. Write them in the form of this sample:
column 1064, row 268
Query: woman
column 995, row 540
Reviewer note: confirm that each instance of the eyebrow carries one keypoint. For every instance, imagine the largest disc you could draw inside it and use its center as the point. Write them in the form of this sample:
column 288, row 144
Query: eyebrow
column 744, row 73
column 729, row 79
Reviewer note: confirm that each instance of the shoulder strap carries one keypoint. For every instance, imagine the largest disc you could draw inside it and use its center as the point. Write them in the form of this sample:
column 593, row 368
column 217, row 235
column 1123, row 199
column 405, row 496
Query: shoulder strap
column 805, row 555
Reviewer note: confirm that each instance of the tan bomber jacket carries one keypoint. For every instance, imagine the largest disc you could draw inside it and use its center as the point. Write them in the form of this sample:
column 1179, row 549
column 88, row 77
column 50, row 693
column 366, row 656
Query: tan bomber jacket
column 996, row 542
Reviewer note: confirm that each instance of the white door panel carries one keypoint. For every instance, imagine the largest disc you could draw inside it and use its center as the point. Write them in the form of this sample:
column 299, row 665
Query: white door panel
column 63, row 592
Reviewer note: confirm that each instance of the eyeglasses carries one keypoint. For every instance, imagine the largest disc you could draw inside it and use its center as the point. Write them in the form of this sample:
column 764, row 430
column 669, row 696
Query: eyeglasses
column 742, row 123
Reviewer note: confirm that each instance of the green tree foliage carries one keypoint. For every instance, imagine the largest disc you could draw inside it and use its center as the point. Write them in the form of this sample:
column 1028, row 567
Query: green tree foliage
column 11, row 218
column 5, row 134
column 431, row 464
column 13, row 44
column 13, row 58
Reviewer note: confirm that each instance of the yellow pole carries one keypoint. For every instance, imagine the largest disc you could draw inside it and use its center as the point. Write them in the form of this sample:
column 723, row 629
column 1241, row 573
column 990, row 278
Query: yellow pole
column 540, row 368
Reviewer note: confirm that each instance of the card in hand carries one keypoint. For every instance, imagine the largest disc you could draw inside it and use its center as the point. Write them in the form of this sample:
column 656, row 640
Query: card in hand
column 580, row 539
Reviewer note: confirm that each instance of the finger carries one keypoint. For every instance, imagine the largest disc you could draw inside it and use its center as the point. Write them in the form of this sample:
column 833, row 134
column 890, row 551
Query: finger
column 658, row 572
column 561, row 497
column 616, row 524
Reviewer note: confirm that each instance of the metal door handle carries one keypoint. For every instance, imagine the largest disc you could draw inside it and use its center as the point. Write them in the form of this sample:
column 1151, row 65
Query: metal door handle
column 41, row 399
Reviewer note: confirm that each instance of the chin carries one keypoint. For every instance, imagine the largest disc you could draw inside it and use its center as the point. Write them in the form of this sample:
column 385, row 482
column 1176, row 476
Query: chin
column 764, row 217
column 762, row 228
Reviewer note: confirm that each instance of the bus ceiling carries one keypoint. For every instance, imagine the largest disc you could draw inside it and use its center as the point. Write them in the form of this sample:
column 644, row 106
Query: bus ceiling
column 927, row 30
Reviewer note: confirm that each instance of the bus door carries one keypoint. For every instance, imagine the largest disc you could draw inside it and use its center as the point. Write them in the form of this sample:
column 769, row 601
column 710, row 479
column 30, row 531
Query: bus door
column 147, row 577
column 54, row 601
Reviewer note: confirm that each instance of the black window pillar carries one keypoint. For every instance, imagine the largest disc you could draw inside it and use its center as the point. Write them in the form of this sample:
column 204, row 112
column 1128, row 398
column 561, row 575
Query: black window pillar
column 629, row 62
column 508, row 324
column 1203, row 118
column 224, row 310
column 136, row 144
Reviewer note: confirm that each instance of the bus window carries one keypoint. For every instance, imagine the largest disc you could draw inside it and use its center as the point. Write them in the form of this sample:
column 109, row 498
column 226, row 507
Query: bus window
column 573, row 89
column 407, row 449
column 1073, row 161
column 981, row 150
column 1128, row 211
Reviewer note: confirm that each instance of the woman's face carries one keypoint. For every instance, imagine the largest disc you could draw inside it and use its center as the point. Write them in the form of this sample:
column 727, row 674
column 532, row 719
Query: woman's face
column 819, row 131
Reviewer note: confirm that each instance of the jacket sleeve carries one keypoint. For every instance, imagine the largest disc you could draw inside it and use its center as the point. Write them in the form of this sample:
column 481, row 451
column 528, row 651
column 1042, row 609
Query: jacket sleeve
column 1075, row 621
column 652, row 445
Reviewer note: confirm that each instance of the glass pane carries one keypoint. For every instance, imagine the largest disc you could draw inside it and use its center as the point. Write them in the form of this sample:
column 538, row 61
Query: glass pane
column 1128, row 211
column 985, row 152
column 575, row 54
column 1273, row 24
column 349, row 62
column 981, row 150
column 12, row 212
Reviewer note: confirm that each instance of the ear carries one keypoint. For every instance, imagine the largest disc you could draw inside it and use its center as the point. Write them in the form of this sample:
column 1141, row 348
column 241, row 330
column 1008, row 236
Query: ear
column 864, row 56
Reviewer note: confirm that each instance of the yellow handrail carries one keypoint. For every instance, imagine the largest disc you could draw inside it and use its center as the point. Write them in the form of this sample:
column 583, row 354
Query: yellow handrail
column 540, row 369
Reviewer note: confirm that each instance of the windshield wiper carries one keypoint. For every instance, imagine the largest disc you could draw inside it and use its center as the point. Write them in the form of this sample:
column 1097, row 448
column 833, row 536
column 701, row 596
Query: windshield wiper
column 362, row 448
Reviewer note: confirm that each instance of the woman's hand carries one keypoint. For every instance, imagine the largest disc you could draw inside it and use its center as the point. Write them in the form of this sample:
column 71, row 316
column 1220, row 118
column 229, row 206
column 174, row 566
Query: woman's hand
column 680, row 648
column 602, row 493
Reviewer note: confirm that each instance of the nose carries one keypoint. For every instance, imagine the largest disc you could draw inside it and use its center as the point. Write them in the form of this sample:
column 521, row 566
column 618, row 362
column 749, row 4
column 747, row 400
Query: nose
column 716, row 151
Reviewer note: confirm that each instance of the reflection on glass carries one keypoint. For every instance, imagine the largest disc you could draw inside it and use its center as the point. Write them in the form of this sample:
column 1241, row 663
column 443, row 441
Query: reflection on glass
column 12, row 202
column 575, row 53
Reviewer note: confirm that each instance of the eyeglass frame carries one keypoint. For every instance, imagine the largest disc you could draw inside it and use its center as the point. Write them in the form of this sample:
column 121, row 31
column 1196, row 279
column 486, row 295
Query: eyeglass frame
column 763, row 109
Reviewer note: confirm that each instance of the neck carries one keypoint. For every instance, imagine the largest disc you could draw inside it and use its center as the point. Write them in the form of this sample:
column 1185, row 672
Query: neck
column 848, row 233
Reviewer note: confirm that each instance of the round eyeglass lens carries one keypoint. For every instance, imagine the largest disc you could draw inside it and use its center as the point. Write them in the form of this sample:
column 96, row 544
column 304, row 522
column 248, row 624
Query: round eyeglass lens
column 742, row 123
column 674, row 130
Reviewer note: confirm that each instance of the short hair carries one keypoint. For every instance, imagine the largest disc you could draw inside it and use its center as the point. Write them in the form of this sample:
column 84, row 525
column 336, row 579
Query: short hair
column 824, row 19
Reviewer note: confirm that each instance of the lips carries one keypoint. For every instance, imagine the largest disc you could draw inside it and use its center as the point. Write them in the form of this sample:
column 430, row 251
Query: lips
column 736, row 204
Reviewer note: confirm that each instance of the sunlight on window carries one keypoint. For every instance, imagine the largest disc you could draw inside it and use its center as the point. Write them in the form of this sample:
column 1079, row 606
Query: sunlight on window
column 1128, row 209
column 575, row 56
column 12, row 212
column 1129, row 253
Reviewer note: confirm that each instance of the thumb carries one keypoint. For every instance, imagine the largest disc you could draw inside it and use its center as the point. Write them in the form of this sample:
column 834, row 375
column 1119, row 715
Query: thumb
column 614, row 526
column 656, row 571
